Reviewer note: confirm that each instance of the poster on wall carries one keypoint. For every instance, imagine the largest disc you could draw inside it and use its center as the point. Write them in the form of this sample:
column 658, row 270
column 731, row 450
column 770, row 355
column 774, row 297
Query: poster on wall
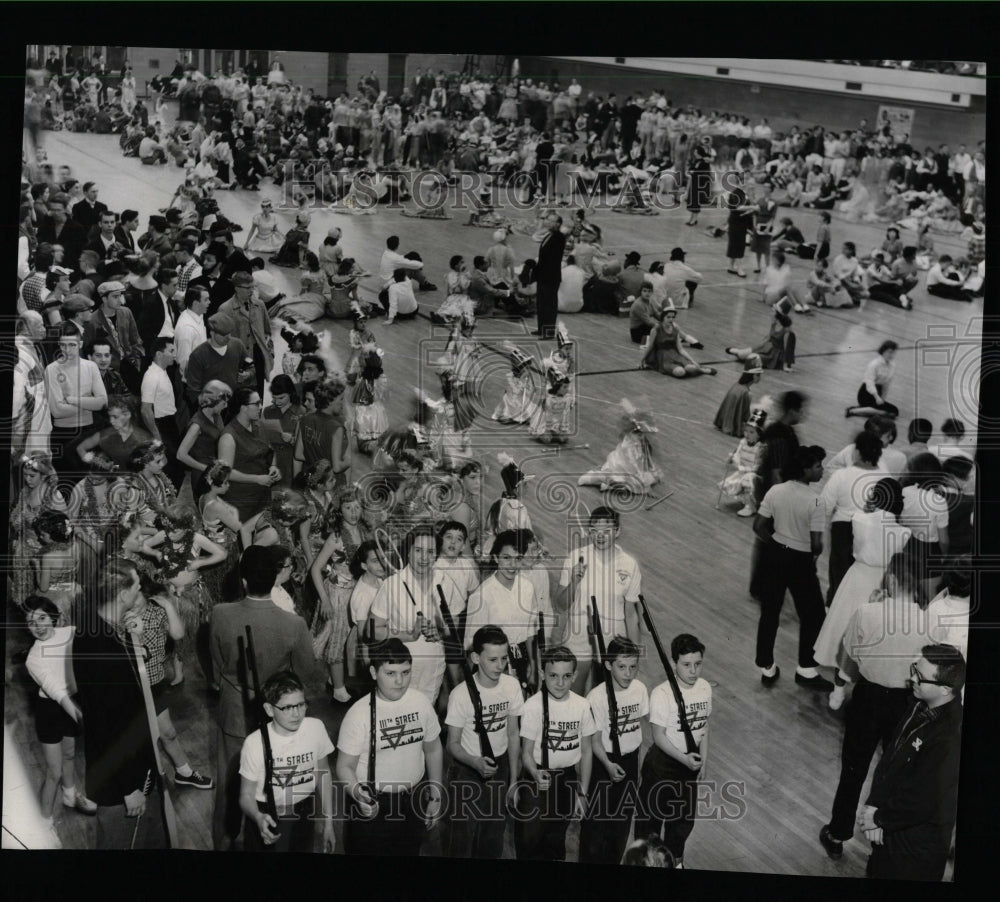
column 896, row 121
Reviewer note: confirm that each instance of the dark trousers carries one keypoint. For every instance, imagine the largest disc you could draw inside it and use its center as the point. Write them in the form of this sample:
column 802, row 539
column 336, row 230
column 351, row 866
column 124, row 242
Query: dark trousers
column 841, row 555
column 951, row 292
column 175, row 471
column 691, row 286
column 782, row 569
column 639, row 333
column 756, row 553
column 887, row 294
column 296, row 831
column 395, row 830
column 604, row 831
column 477, row 818
column 885, row 864
column 63, row 442
column 668, row 797
column 260, row 369
column 115, row 829
column 542, row 817
column 227, row 817
column 547, row 300
column 872, row 715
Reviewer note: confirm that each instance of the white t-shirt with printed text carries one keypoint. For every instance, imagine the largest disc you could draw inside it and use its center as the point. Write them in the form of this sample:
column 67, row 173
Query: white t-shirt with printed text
column 632, row 705
column 570, row 721
column 664, row 712
column 503, row 701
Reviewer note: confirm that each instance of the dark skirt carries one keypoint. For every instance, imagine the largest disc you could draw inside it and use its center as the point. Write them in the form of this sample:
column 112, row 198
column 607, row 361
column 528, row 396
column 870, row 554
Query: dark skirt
column 733, row 411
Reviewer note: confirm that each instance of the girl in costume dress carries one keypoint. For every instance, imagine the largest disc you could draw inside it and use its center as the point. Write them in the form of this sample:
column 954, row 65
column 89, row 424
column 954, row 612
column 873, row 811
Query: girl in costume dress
column 741, row 483
column 360, row 338
column 877, row 536
column 145, row 491
column 38, row 493
column 343, row 290
column 551, row 422
column 735, row 407
column 57, row 567
column 180, row 553
column 292, row 251
column 518, row 404
column 630, row 464
column 508, row 512
column 469, row 510
column 368, row 402
column 664, row 353
column 264, row 236
column 334, row 583
column 456, row 281
column 777, row 351
column 310, row 303
column 301, row 340
column 90, row 506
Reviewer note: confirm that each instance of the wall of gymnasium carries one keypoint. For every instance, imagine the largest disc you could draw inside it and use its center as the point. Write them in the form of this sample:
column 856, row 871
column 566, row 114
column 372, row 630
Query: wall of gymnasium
column 783, row 106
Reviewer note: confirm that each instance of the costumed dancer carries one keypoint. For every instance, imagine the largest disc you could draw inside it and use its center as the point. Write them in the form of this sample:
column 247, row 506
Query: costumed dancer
column 368, row 401
column 551, row 422
column 630, row 464
column 518, row 404
column 740, row 484
column 508, row 512
column 360, row 337
column 735, row 407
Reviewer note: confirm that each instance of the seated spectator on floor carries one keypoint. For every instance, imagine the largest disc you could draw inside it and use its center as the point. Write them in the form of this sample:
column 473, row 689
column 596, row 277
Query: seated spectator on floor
column 150, row 150
column 571, row 287
column 946, row 280
column 600, row 293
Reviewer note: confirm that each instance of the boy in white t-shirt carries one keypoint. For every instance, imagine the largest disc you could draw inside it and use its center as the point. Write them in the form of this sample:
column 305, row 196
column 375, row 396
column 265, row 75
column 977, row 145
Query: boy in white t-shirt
column 557, row 755
column 604, row 832
column 389, row 742
column 484, row 748
column 672, row 807
column 300, row 749
column 458, row 577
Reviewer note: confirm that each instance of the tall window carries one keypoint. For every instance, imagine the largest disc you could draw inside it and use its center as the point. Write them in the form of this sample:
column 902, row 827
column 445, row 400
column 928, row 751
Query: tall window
column 115, row 58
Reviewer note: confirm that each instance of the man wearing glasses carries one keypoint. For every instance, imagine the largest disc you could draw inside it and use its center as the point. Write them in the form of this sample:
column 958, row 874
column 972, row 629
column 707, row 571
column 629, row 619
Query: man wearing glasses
column 910, row 813
column 599, row 569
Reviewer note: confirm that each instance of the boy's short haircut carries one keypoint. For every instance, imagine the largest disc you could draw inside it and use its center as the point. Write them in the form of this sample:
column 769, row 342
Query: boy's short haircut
column 605, row 513
column 685, row 644
column 284, row 682
column 506, row 538
column 389, row 651
column 560, row 654
column 621, row 647
column 488, row 635
column 448, row 527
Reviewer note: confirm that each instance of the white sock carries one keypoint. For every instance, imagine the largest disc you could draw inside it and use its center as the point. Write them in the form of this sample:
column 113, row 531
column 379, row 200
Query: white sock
column 807, row 672
column 769, row 671
column 184, row 770
column 69, row 795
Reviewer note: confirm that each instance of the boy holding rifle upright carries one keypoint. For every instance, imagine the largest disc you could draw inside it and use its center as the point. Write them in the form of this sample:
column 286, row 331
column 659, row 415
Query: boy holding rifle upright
column 299, row 749
column 679, row 709
column 556, row 752
column 482, row 721
column 618, row 705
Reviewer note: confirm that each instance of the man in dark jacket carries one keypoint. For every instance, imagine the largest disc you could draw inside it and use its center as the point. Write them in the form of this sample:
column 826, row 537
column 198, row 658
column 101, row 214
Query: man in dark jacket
column 910, row 813
column 549, row 275
column 122, row 775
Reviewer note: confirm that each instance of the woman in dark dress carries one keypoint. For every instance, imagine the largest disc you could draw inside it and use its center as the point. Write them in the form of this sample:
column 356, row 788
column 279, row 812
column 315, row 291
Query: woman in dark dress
column 740, row 213
column 242, row 447
column 699, row 192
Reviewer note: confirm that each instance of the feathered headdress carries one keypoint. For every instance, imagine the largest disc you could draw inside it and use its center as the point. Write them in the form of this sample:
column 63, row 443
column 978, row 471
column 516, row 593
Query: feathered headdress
column 518, row 358
column 510, row 473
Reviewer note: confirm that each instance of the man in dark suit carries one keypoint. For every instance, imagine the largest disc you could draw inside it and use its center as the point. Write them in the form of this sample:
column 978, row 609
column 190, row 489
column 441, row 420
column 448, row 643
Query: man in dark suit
column 128, row 224
column 88, row 211
column 281, row 642
column 104, row 244
column 58, row 228
column 549, row 275
column 158, row 312
column 220, row 289
column 233, row 260
column 910, row 813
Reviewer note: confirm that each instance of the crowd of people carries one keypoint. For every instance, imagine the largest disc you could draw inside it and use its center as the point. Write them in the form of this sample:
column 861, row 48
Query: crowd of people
column 161, row 508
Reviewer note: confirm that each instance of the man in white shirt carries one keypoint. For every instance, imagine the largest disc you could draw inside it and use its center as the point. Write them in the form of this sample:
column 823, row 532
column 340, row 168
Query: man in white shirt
column 570, row 295
column 601, row 570
column 393, row 260
column 159, row 410
column 680, row 280
column 190, row 330
column 400, row 301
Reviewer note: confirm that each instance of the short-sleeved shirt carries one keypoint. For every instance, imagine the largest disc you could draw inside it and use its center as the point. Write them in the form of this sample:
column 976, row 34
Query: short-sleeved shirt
column 514, row 610
column 402, row 728
column 613, row 581
column 797, row 511
column 459, row 579
column 499, row 703
column 845, row 493
column 361, row 601
column 664, row 711
column 632, row 705
column 158, row 391
column 924, row 512
column 570, row 722
column 293, row 775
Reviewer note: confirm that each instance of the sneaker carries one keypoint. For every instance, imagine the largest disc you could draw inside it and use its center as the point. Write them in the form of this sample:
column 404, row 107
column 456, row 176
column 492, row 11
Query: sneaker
column 697, row 345
column 788, row 368
column 816, row 682
column 905, row 302
column 836, row 699
column 834, row 847
column 195, row 780
column 745, row 511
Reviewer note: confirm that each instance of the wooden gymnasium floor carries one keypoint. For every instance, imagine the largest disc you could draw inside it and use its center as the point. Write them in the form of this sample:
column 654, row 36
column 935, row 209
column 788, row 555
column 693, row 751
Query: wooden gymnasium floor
column 781, row 745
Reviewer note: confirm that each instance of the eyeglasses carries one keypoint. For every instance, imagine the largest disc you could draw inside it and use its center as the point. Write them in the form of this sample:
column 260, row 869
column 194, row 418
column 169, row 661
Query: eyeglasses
column 285, row 709
column 918, row 678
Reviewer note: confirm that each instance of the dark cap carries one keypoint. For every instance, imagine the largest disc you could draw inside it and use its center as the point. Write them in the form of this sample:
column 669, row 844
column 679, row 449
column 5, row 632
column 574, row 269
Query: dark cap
column 632, row 257
column 677, row 254
column 222, row 323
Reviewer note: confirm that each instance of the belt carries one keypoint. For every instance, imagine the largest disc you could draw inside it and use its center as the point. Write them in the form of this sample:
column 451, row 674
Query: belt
column 792, row 550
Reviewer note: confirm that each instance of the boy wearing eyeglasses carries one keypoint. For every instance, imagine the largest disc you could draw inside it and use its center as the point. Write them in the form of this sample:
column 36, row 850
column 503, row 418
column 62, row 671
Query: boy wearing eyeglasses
column 300, row 749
